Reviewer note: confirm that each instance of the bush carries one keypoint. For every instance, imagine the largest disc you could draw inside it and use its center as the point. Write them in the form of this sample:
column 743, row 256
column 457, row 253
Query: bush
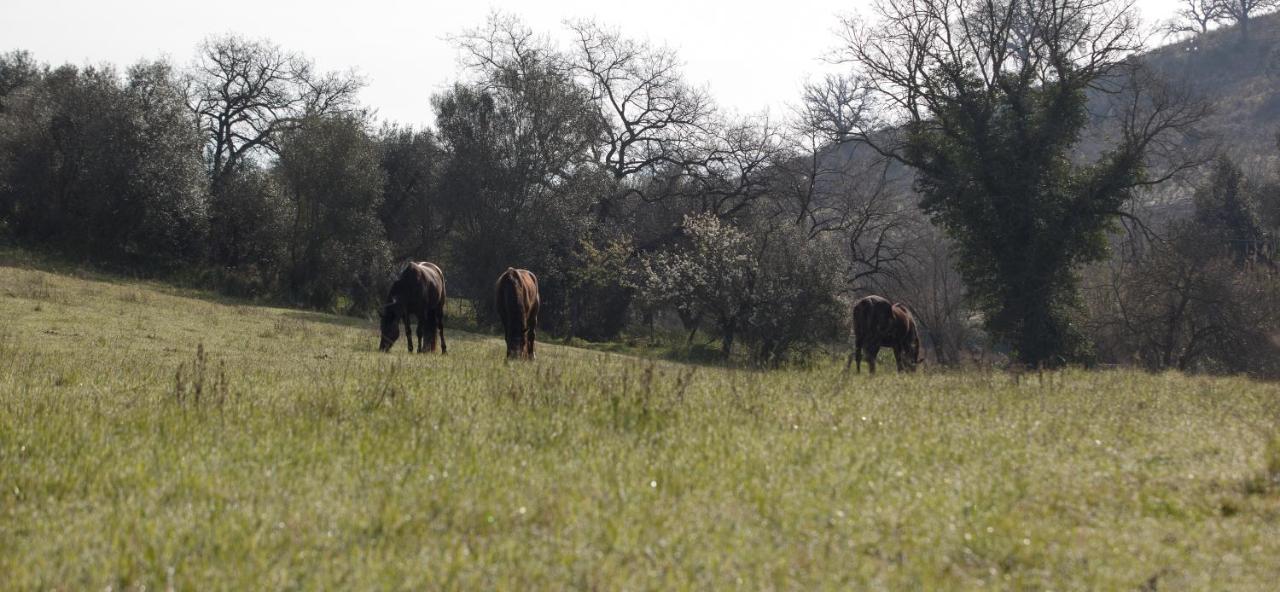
column 776, row 287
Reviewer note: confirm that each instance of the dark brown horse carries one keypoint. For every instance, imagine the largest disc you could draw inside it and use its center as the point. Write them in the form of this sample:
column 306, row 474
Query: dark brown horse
column 517, row 300
column 876, row 323
column 418, row 292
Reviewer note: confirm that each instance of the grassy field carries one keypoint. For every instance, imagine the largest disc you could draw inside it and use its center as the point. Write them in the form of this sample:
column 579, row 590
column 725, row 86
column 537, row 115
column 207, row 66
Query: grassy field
column 154, row 438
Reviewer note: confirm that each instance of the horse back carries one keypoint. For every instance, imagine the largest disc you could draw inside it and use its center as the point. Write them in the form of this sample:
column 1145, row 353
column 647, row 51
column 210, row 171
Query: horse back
column 872, row 316
column 517, row 295
column 422, row 284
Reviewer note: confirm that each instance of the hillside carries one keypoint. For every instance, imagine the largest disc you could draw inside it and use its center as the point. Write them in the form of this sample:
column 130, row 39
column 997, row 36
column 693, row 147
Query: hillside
column 1240, row 80
column 1241, row 83
column 152, row 439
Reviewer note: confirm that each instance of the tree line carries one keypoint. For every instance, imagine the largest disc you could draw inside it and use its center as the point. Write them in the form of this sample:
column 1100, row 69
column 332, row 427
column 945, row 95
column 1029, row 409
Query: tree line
column 1197, row 17
column 943, row 169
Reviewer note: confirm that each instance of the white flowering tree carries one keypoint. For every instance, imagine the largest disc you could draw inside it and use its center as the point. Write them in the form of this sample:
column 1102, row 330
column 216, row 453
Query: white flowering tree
column 774, row 286
column 712, row 277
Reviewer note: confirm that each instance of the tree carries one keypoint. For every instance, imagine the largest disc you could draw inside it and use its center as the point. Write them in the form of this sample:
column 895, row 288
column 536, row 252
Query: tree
column 521, row 178
column 1184, row 306
column 598, row 295
column 411, row 210
column 165, row 166
column 713, row 276
column 772, row 286
column 934, row 291
column 1199, row 296
column 251, row 242
column 1226, row 215
column 841, row 186
column 985, row 99
column 1194, row 17
column 17, row 69
column 652, row 117
column 1242, row 12
column 333, row 182
column 102, row 167
column 245, row 94
column 797, row 306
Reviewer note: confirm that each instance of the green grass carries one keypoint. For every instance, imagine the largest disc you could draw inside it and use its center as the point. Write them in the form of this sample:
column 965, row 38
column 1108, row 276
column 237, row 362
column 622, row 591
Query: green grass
column 289, row 454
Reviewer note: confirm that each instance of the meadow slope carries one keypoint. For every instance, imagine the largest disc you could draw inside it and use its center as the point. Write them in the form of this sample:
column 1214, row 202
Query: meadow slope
column 290, row 454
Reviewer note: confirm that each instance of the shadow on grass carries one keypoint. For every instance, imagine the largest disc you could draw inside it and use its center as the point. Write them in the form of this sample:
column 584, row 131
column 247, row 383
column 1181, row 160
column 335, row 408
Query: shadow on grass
column 459, row 322
column 667, row 348
column 170, row 282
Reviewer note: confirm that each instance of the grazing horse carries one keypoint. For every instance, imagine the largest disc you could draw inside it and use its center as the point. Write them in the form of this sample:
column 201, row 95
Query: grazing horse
column 876, row 323
column 517, row 300
column 418, row 292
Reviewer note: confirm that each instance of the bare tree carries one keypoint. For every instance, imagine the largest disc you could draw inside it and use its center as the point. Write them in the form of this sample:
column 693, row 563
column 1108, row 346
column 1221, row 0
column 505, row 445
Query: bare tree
column 932, row 288
column 652, row 115
column 824, row 177
column 246, row 93
column 1194, row 17
column 1242, row 12
column 985, row 100
column 736, row 168
column 1184, row 304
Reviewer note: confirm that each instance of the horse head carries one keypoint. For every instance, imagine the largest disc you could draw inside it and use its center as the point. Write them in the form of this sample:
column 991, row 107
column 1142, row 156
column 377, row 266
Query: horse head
column 390, row 325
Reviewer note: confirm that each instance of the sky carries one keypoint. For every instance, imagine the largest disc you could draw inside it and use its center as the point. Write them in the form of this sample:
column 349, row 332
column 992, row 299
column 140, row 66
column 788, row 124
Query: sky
column 751, row 56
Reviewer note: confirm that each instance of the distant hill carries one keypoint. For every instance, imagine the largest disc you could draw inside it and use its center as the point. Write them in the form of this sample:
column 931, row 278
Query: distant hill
column 1240, row 80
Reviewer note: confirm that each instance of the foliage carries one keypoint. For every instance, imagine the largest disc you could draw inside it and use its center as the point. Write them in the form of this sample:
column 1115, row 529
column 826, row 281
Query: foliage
column 797, row 294
column 712, row 277
column 987, row 101
column 774, row 286
column 1226, row 214
column 333, row 182
column 411, row 210
column 1200, row 298
column 599, row 297
column 17, row 69
column 102, row 167
column 519, row 180
column 247, row 233
column 245, row 93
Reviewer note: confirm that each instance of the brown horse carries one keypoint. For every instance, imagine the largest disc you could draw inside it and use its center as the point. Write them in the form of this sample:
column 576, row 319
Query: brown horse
column 517, row 300
column 418, row 292
column 876, row 323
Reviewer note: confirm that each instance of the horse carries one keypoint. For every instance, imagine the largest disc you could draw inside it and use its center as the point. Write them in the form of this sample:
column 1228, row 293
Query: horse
column 418, row 292
column 517, row 301
column 876, row 323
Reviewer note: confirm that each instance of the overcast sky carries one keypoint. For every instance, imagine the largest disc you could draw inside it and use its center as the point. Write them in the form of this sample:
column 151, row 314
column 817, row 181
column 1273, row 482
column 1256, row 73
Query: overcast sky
column 751, row 58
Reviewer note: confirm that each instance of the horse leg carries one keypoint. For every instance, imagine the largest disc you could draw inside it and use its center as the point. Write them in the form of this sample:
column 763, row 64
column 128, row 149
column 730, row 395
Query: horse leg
column 424, row 321
column 440, row 327
column 427, row 330
column 408, row 332
column 513, row 334
column 897, row 356
column 533, row 327
column 873, row 350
